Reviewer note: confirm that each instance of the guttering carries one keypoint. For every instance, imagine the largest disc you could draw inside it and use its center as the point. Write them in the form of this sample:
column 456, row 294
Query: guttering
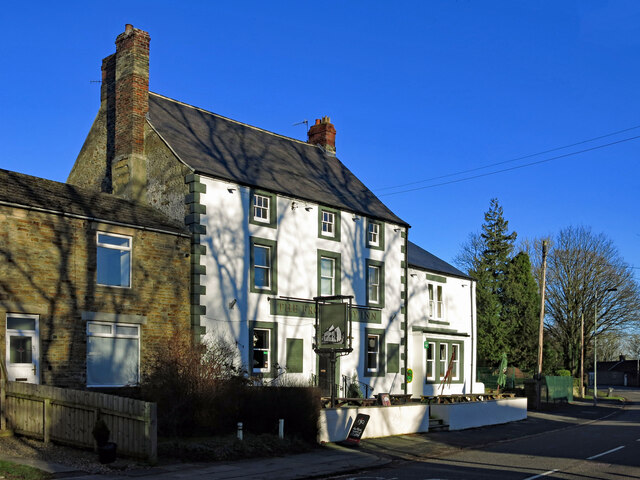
column 93, row 219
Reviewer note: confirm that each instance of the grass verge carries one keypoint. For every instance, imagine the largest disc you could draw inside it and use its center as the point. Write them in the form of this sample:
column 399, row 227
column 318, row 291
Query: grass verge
column 15, row 471
column 228, row 447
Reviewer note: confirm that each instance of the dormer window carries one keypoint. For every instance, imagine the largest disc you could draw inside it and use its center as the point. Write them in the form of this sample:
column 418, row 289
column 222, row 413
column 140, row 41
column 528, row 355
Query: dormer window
column 328, row 224
column 436, row 301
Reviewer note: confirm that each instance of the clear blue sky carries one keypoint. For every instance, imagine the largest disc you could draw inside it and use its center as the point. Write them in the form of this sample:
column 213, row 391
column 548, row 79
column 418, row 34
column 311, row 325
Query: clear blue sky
column 416, row 90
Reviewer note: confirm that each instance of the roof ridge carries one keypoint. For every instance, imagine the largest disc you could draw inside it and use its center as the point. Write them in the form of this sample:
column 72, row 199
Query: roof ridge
column 235, row 121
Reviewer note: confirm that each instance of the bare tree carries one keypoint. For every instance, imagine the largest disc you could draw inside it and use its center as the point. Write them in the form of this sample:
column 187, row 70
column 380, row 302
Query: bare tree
column 584, row 269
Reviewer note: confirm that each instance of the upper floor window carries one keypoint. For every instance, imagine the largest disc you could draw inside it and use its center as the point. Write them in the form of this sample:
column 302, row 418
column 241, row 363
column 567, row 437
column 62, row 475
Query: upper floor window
column 436, row 301
column 113, row 260
column 375, row 283
column 263, row 209
column 263, row 266
column 375, row 234
column 329, row 223
column 327, row 276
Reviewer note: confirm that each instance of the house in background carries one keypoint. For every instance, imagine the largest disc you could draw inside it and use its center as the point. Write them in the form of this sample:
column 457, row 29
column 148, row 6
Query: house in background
column 91, row 285
column 274, row 222
column 622, row 372
column 441, row 327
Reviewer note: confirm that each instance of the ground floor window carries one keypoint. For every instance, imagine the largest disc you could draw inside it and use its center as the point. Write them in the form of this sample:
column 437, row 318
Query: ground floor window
column 113, row 354
column 443, row 360
column 261, row 350
column 374, row 352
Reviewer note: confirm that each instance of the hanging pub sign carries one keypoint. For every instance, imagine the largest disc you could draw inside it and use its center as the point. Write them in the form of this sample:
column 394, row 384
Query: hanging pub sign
column 333, row 328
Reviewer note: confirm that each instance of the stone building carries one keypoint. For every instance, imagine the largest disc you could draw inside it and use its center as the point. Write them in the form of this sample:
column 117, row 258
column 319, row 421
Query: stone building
column 275, row 222
column 91, row 285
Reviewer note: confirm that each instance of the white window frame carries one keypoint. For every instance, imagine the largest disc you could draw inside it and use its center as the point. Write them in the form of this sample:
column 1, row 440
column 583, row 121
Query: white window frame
column 375, row 352
column 435, row 298
column 128, row 248
column 443, row 363
column 113, row 334
column 266, row 267
column 455, row 371
column 267, row 368
column 331, row 278
column 261, row 206
column 371, row 283
column 328, row 224
column 373, row 233
column 432, row 360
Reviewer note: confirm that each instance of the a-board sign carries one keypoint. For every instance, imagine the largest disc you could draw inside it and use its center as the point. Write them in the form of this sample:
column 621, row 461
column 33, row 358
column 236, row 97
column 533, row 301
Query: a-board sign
column 385, row 400
column 357, row 429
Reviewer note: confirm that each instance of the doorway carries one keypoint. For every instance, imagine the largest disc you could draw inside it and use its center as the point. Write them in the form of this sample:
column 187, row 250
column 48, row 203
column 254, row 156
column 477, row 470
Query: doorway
column 324, row 376
column 23, row 348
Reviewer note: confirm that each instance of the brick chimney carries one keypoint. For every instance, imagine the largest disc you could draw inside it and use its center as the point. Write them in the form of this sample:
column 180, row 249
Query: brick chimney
column 323, row 133
column 125, row 89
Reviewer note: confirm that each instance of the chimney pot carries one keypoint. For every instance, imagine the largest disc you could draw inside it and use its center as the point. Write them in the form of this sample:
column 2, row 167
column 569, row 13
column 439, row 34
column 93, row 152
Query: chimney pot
column 128, row 28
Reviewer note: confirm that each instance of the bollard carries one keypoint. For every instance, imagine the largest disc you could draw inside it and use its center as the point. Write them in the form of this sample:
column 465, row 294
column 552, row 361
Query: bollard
column 239, row 430
column 281, row 428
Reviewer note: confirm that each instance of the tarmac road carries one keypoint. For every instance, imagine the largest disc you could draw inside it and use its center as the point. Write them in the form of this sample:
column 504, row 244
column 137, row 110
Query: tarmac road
column 577, row 441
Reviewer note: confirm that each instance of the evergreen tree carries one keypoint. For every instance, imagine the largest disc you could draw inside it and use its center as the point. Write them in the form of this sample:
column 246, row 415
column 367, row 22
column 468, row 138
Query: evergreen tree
column 521, row 312
column 490, row 271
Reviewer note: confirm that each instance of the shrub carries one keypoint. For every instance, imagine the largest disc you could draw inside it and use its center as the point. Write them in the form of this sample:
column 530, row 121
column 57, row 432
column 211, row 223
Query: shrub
column 563, row 373
column 194, row 385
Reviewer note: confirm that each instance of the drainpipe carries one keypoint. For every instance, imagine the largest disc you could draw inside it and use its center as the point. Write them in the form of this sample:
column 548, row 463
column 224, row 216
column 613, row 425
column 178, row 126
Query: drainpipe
column 473, row 338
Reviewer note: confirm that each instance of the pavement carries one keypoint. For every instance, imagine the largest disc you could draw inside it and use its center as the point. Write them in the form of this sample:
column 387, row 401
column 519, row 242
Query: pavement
column 334, row 460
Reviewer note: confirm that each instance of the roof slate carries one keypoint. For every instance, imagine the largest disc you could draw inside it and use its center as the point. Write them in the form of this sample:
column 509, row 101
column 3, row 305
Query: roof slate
column 216, row 146
column 420, row 258
column 34, row 192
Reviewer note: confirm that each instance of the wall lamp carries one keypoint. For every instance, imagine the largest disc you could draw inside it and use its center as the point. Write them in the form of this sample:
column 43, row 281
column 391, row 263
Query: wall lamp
column 294, row 205
column 231, row 190
column 308, row 208
column 396, row 230
column 356, row 218
column 232, row 303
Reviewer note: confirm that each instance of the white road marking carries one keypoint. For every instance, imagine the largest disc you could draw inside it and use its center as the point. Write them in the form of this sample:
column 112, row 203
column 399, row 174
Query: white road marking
column 542, row 474
column 605, row 453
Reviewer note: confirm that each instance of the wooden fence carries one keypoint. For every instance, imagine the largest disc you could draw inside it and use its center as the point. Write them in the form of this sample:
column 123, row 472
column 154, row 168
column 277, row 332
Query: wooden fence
column 68, row 416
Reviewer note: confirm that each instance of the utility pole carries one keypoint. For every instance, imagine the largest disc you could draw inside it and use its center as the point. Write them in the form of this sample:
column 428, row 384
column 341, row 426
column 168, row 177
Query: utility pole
column 541, row 331
column 582, row 356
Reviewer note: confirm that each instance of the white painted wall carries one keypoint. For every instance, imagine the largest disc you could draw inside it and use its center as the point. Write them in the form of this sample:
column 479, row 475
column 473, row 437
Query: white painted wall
column 227, row 278
column 459, row 325
column 460, row 416
column 335, row 423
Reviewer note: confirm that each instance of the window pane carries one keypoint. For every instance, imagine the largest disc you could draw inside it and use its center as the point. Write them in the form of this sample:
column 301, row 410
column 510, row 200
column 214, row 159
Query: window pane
column 97, row 328
column 113, row 267
column 112, row 361
column 20, row 349
column 373, row 275
column 261, row 277
column 326, row 267
column 131, row 331
column 111, row 240
column 20, row 323
column 326, row 286
column 260, row 359
column 260, row 338
column 261, row 256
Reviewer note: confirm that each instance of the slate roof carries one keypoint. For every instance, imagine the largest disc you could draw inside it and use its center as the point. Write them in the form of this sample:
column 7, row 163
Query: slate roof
column 420, row 258
column 222, row 148
column 33, row 192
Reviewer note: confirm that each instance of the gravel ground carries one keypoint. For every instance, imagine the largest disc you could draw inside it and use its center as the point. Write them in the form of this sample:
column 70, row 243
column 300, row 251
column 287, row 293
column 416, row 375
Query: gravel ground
column 83, row 460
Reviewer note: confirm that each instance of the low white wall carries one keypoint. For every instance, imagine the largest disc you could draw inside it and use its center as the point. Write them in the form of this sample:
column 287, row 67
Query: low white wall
column 335, row 423
column 478, row 414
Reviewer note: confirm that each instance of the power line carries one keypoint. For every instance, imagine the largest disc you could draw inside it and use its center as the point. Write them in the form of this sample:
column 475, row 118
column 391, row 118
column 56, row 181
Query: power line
column 511, row 168
column 508, row 161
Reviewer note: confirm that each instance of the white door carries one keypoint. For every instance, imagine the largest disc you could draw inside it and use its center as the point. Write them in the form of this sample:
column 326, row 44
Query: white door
column 22, row 347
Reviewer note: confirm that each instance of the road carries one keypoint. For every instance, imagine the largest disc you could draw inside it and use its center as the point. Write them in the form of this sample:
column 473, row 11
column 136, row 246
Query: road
column 603, row 449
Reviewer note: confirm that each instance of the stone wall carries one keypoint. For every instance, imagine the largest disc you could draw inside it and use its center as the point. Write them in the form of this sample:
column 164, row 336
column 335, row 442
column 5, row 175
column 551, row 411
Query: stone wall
column 48, row 268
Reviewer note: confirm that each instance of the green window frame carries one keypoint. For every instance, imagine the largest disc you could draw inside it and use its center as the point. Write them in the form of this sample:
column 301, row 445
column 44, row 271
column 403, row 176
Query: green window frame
column 272, row 328
column 257, row 249
column 393, row 358
column 324, row 214
column 439, row 366
column 375, row 284
column 263, row 213
column 379, row 369
column 294, row 355
column 337, row 271
column 375, row 234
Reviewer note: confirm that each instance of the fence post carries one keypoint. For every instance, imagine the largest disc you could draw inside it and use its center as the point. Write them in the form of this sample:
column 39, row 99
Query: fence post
column 3, row 403
column 151, row 431
column 47, row 420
